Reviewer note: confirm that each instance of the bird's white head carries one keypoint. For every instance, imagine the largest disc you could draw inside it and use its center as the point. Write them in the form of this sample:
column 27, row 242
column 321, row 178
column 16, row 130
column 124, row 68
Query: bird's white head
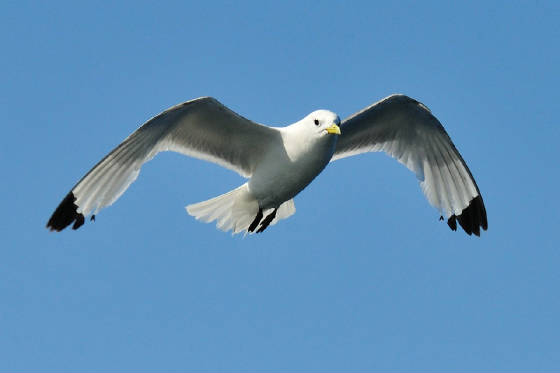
column 312, row 138
column 322, row 122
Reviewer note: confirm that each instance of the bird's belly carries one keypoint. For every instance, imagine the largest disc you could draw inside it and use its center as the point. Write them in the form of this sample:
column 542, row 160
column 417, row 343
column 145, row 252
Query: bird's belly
column 283, row 180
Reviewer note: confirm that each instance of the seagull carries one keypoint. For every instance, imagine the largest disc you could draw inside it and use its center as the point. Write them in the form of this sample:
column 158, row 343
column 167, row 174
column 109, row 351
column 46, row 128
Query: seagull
column 279, row 162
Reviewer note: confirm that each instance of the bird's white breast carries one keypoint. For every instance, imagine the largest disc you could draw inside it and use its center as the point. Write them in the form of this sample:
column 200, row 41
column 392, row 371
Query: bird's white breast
column 289, row 166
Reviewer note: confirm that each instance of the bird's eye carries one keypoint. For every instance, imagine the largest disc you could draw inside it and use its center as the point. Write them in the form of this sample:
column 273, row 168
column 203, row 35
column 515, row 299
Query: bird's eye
column 316, row 121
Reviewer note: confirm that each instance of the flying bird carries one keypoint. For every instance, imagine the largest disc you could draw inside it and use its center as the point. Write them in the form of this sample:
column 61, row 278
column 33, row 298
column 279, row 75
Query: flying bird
column 279, row 162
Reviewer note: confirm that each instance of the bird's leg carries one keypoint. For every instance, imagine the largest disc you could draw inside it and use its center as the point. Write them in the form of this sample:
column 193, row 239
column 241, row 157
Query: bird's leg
column 267, row 221
column 256, row 222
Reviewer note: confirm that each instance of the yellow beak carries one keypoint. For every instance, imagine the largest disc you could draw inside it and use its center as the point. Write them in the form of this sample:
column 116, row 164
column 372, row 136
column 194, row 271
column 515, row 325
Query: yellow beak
column 333, row 129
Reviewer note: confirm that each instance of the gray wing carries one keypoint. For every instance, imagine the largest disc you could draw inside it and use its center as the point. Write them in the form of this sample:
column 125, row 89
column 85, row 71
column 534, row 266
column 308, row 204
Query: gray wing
column 407, row 131
column 202, row 128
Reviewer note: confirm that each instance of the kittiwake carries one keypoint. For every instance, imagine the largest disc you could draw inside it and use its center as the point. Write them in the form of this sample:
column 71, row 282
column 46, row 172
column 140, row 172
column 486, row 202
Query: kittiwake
column 280, row 162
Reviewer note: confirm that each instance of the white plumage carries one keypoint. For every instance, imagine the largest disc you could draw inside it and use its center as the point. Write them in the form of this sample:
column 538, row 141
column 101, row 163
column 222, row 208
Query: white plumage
column 282, row 161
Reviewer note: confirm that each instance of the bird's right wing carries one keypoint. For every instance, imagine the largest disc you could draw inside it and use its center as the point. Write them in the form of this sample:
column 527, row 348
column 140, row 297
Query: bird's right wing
column 407, row 131
column 202, row 128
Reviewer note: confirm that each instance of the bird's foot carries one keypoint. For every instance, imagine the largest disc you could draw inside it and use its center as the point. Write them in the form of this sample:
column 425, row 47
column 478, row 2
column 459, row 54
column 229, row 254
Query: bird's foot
column 256, row 222
column 267, row 221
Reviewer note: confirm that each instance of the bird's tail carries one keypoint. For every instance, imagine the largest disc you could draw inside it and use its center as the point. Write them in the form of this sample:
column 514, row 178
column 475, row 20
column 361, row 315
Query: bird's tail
column 235, row 210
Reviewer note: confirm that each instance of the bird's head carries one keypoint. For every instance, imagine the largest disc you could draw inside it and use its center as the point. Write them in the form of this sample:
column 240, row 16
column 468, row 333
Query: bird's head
column 316, row 134
column 322, row 123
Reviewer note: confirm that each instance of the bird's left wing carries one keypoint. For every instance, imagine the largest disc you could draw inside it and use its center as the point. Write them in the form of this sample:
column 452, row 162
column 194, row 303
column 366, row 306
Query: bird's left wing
column 201, row 128
column 407, row 131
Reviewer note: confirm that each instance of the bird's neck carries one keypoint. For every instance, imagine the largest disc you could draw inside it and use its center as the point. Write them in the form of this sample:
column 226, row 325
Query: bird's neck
column 300, row 146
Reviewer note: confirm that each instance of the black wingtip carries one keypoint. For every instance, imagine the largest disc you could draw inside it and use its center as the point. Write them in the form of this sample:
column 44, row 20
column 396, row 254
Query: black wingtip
column 472, row 218
column 452, row 222
column 65, row 214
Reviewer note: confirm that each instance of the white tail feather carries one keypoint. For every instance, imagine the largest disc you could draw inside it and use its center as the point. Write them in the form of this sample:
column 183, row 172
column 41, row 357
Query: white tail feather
column 235, row 210
column 285, row 210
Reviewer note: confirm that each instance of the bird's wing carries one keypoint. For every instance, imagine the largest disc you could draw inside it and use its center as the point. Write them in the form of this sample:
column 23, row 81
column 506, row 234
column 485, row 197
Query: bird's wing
column 202, row 128
column 407, row 131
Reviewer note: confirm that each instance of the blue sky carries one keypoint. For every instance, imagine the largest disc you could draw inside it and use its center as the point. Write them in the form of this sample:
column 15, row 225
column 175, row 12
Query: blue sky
column 364, row 276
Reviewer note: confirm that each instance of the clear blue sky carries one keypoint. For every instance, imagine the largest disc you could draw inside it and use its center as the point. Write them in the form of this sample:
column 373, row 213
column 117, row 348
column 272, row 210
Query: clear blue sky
column 364, row 276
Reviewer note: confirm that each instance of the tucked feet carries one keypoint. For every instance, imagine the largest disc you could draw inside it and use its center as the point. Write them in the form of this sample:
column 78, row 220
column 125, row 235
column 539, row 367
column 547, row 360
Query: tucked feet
column 267, row 221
